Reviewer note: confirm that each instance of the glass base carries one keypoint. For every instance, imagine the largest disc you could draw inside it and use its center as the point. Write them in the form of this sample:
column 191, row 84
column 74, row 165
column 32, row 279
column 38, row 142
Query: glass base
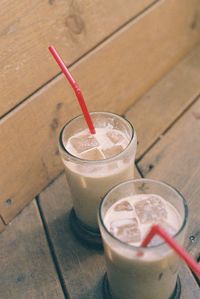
column 84, row 233
column 107, row 295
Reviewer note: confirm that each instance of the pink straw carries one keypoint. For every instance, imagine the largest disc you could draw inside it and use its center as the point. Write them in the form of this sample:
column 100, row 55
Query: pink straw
column 75, row 87
column 190, row 261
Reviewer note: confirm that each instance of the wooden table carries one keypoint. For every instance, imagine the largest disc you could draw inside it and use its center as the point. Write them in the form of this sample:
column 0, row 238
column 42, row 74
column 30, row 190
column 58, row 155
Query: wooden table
column 41, row 258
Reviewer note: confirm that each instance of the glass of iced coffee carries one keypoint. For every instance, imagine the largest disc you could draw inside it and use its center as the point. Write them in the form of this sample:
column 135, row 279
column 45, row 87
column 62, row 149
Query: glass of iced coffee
column 94, row 163
column 126, row 214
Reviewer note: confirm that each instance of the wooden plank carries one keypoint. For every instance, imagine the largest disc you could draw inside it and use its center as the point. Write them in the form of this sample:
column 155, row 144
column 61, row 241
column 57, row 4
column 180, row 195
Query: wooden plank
column 77, row 263
column 165, row 101
column 175, row 159
column 26, row 269
column 39, row 119
column 73, row 26
column 189, row 286
column 82, row 268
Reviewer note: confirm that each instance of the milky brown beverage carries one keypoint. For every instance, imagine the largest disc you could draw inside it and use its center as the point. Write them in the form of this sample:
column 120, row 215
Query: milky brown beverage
column 97, row 162
column 152, row 275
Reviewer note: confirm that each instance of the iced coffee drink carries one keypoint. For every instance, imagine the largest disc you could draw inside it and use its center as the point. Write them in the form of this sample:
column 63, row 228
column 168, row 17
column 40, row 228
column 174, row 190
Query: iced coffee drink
column 126, row 215
column 96, row 162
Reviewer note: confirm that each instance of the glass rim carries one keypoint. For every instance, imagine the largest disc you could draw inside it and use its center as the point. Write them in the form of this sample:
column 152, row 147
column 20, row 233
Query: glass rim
column 158, row 182
column 103, row 161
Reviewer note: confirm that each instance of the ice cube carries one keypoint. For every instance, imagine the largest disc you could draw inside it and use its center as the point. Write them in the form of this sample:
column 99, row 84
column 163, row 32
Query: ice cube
column 112, row 151
column 123, row 206
column 92, row 154
column 84, row 142
column 126, row 230
column 168, row 228
column 151, row 209
column 114, row 136
column 155, row 241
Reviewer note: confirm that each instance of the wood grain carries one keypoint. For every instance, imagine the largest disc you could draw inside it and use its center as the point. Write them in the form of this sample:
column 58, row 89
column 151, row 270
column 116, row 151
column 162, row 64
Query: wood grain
column 78, row 263
column 176, row 160
column 82, row 268
column 26, row 269
column 165, row 101
column 74, row 27
column 28, row 135
column 189, row 287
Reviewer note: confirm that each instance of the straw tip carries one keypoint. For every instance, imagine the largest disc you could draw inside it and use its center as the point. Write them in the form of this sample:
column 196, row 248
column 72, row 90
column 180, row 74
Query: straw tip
column 50, row 47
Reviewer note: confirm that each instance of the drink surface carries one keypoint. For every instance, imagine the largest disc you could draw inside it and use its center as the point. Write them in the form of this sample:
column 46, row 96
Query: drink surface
column 131, row 218
column 107, row 142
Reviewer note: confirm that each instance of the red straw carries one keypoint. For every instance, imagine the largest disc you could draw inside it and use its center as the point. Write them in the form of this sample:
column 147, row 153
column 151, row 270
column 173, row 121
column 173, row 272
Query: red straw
column 75, row 87
column 156, row 229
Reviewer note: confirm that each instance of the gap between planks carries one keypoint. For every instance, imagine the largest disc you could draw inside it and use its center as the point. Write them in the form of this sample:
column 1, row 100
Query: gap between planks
column 165, row 131
column 27, row 270
column 182, row 175
column 52, row 250
column 45, row 162
column 82, row 56
column 76, row 261
column 155, row 112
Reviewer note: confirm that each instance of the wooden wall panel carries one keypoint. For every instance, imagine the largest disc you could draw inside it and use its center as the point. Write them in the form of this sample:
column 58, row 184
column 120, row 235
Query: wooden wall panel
column 112, row 77
column 29, row 26
column 165, row 101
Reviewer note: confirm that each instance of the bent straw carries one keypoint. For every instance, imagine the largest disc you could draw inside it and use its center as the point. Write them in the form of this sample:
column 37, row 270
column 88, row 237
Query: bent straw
column 75, row 87
column 190, row 261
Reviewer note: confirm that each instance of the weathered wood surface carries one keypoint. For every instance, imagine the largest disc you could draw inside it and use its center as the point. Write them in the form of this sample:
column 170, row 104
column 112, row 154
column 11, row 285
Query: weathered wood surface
column 176, row 159
column 166, row 101
column 30, row 131
column 190, row 289
column 27, row 28
column 26, row 267
column 82, row 268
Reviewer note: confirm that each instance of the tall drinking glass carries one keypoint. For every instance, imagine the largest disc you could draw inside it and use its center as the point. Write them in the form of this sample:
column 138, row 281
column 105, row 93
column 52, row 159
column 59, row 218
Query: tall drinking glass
column 93, row 165
column 135, row 272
